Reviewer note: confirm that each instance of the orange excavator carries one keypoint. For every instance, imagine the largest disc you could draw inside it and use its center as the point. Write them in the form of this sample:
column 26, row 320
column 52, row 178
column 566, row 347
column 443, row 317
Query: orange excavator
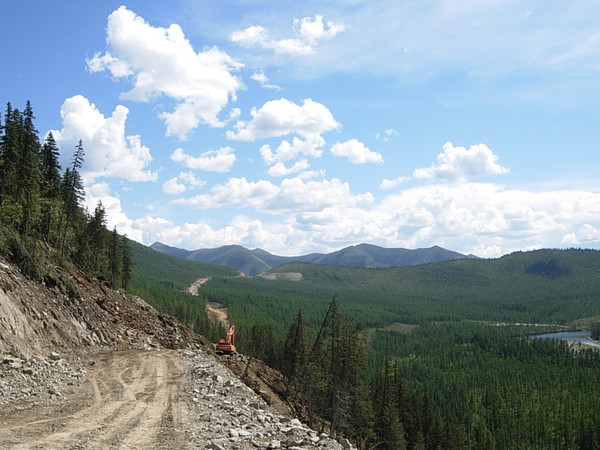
column 227, row 346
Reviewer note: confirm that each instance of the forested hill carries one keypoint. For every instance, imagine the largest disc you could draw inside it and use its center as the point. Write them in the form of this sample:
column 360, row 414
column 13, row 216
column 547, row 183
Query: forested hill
column 542, row 286
column 254, row 262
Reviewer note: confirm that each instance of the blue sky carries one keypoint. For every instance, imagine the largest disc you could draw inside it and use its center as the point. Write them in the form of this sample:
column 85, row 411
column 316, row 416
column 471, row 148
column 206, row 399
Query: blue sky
column 309, row 126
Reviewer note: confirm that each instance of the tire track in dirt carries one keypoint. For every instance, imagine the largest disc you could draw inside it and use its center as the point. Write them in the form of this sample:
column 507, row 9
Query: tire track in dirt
column 133, row 401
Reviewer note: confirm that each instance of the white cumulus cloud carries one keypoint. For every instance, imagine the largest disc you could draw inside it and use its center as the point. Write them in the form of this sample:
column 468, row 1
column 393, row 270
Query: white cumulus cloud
column 312, row 147
column 292, row 195
column 220, row 160
column 356, row 152
column 173, row 186
column 181, row 183
column 309, row 31
column 481, row 218
column 390, row 184
column 282, row 117
column 162, row 62
column 489, row 220
column 460, row 163
column 261, row 78
column 190, row 179
column 109, row 152
column 586, row 234
column 281, row 170
column 246, row 231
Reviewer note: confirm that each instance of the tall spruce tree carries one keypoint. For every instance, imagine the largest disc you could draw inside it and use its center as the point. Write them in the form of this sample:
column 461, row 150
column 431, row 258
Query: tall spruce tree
column 50, row 168
column 332, row 374
column 73, row 194
column 19, row 170
column 50, row 185
column 28, row 179
column 9, row 153
column 356, row 416
column 389, row 429
column 91, row 254
column 294, row 349
column 115, row 259
column 127, row 263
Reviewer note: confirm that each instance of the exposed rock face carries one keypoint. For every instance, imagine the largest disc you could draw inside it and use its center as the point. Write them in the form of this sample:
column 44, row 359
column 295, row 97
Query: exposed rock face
column 36, row 319
column 76, row 371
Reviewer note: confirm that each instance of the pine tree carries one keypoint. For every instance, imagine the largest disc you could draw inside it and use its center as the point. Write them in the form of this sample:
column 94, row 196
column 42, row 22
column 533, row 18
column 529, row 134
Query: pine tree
column 72, row 191
column 28, row 191
column 115, row 258
column 388, row 427
column 50, row 168
column 11, row 210
column 19, row 171
column 9, row 153
column 357, row 420
column 315, row 381
column 91, row 253
column 127, row 262
column 294, row 348
column 337, row 377
column 453, row 436
column 36, row 203
column 51, row 202
column 261, row 343
column 332, row 374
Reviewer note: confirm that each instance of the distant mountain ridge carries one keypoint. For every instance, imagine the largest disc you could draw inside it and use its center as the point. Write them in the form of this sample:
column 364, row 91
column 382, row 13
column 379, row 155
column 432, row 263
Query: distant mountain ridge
column 254, row 262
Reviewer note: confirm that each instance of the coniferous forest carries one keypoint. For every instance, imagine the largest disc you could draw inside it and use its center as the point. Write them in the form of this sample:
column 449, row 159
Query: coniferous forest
column 42, row 220
column 450, row 358
column 438, row 356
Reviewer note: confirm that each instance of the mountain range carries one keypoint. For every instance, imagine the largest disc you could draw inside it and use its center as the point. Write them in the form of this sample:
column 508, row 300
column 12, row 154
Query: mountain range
column 257, row 261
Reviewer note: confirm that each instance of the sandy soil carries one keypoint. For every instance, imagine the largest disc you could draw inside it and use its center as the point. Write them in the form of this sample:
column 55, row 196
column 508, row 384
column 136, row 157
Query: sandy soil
column 131, row 399
column 196, row 285
column 218, row 313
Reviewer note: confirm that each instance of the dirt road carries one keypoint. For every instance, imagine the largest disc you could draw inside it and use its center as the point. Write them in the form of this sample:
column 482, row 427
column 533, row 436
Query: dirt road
column 140, row 399
column 131, row 399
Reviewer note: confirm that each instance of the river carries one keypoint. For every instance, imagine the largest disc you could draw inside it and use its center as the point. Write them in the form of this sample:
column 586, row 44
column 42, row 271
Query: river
column 573, row 336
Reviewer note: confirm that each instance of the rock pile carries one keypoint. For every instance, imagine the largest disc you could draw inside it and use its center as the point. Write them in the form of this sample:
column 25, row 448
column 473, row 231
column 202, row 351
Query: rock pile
column 29, row 380
column 231, row 416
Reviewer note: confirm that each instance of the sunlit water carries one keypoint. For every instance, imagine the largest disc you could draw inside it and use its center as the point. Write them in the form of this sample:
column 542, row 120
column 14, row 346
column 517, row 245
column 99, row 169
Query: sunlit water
column 573, row 336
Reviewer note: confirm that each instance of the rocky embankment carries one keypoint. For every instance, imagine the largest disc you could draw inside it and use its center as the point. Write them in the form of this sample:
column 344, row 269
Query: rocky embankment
column 231, row 415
